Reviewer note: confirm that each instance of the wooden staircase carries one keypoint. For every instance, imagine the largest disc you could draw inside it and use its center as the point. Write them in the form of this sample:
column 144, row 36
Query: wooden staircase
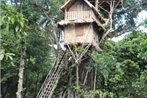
column 51, row 80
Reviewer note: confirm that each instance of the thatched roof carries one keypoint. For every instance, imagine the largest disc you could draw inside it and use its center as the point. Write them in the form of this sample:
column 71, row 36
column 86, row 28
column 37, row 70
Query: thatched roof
column 63, row 23
column 66, row 22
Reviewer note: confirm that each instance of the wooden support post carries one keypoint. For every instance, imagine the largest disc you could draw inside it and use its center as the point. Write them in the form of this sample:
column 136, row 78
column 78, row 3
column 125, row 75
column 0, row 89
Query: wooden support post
column 95, row 77
column 66, row 14
column 96, row 4
column 77, row 75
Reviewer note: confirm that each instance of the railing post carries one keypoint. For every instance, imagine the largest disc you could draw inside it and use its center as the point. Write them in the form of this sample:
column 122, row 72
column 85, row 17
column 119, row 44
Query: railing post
column 71, row 15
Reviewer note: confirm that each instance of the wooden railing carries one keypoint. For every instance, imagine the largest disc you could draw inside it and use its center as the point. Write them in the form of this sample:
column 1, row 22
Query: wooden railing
column 72, row 15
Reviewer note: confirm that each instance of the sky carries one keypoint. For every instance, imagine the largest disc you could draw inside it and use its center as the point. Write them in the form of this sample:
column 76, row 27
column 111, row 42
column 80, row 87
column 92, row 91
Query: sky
column 141, row 17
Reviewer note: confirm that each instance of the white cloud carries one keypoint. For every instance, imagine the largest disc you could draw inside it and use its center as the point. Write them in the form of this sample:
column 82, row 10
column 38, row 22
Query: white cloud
column 141, row 18
column 119, row 38
column 142, row 15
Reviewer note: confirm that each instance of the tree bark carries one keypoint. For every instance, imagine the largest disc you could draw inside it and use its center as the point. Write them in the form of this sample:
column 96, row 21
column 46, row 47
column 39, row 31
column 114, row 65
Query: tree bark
column 20, row 75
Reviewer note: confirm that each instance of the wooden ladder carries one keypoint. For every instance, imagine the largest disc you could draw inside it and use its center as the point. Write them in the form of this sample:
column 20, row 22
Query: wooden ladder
column 51, row 80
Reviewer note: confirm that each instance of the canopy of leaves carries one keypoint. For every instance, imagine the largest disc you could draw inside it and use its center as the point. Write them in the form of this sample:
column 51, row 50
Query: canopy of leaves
column 123, row 67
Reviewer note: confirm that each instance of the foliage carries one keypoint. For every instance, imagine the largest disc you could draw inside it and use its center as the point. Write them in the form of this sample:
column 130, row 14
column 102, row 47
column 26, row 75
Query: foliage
column 123, row 71
column 12, row 40
column 20, row 30
column 12, row 20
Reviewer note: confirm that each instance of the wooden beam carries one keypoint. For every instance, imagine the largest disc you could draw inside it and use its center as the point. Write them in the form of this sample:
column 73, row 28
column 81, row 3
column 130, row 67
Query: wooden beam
column 96, row 4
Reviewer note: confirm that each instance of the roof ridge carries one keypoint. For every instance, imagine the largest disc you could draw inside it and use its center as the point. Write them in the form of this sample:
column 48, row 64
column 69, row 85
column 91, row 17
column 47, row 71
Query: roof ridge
column 68, row 2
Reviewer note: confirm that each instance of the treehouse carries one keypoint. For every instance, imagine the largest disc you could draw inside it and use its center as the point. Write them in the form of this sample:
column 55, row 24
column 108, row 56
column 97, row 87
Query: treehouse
column 85, row 22
column 82, row 22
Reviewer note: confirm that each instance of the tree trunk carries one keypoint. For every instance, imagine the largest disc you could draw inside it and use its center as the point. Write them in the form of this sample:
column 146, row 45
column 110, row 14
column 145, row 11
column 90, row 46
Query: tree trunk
column 20, row 75
column 70, row 93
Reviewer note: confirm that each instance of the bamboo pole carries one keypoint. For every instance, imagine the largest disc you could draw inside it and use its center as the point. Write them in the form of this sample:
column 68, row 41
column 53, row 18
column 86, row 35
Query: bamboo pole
column 96, row 4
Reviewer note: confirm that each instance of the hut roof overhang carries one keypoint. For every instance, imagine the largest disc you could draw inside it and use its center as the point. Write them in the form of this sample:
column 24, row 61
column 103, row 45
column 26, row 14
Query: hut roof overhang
column 79, row 21
column 64, row 23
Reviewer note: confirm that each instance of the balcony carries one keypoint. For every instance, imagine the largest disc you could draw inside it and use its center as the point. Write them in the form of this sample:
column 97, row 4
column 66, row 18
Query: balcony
column 73, row 15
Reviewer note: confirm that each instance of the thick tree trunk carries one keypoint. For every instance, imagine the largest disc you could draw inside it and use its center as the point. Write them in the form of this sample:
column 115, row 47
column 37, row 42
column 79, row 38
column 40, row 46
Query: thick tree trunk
column 20, row 75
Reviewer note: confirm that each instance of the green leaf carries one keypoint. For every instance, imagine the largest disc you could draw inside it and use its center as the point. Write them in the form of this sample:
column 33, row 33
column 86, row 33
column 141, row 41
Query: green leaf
column 12, row 63
column 2, row 53
column 16, row 28
column 9, row 56
column 21, row 23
